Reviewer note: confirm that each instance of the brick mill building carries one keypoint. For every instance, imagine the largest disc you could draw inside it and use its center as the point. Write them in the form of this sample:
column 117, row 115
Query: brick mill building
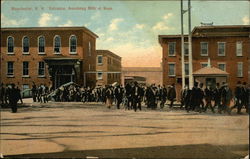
column 108, row 67
column 226, row 47
column 47, row 55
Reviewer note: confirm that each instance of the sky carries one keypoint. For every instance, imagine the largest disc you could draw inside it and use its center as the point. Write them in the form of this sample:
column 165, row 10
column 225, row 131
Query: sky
column 128, row 28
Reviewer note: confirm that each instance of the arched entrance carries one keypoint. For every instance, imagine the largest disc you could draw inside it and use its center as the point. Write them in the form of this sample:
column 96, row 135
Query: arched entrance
column 64, row 74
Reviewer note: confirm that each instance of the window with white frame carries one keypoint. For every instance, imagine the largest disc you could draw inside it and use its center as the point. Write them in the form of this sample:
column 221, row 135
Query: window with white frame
column 99, row 75
column 171, row 69
column 25, row 68
column 10, row 68
column 204, row 48
column 57, row 44
column 221, row 48
column 89, row 50
column 204, row 64
column 25, row 44
column 238, row 48
column 186, row 51
column 41, row 68
column 186, row 69
column 222, row 66
column 41, row 44
column 73, row 44
column 99, row 59
column 10, row 43
column 171, row 48
column 240, row 69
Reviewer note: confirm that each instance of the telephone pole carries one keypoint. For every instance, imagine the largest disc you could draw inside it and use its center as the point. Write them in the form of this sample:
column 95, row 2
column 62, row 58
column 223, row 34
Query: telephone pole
column 182, row 48
column 190, row 57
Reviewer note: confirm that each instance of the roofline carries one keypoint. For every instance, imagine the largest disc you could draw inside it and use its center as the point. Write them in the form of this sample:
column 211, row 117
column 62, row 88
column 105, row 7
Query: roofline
column 160, row 37
column 50, row 28
column 108, row 52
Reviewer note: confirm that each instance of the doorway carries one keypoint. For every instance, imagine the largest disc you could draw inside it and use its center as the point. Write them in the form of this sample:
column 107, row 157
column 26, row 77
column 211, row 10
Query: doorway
column 64, row 74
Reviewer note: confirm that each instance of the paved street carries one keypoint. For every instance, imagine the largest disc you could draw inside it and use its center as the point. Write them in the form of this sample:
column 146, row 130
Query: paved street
column 92, row 130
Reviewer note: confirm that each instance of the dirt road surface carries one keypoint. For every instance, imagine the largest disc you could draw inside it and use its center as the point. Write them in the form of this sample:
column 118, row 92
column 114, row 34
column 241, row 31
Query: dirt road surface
column 67, row 130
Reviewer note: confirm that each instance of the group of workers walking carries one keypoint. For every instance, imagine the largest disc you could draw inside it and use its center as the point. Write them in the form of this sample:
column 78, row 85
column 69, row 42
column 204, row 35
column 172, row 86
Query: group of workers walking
column 133, row 95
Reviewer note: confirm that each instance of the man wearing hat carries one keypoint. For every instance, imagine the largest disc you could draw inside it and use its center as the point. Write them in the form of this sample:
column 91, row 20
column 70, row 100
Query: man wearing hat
column 136, row 96
column 239, row 97
column 245, row 92
column 226, row 97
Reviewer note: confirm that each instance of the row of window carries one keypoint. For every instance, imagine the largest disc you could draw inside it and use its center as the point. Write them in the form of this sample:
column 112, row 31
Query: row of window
column 25, row 69
column 222, row 66
column 41, row 45
column 110, row 75
column 221, row 48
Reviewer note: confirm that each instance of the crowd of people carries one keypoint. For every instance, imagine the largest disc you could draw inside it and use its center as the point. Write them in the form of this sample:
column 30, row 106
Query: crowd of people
column 133, row 95
column 10, row 95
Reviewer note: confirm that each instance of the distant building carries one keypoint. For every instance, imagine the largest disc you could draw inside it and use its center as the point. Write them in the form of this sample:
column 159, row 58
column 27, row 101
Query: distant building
column 108, row 67
column 47, row 55
column 228, row 48
column 151, row 75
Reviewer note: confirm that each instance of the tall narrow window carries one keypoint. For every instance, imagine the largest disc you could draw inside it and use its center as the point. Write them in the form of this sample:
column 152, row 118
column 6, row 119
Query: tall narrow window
column 204, row 49
column 10, row 45
column 25, row 68
column 239, row 48
column 73, row 44
column 99, row 59
column 171, row 49
column 240, row 69
column 221, row 48
column 171, row 69
column 186, row 49
column 222, row 66
column 41, row 68
column 57, row 44
column 41, row 44
column 10, row 68
column 89, row 48
column 25, row 44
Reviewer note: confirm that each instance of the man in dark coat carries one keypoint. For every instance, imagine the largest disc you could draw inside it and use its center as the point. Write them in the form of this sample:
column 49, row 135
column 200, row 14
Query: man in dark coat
column 13, row 98
column 163, row 96
column 194, row 98
column 2, row 94
column 217, row 97
column 208, row 97
column 34, row 92
column 201, row 97
column 226, row 97
column 185, row 97
column 171, row 95
column 245, row 98
column 239, row 97
column 128, row 89
column 118, row 96
column 136, row 96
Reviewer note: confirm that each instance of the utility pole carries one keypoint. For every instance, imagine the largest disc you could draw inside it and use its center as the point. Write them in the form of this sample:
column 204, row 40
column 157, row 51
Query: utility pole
column 190, row 57
column 182, row 48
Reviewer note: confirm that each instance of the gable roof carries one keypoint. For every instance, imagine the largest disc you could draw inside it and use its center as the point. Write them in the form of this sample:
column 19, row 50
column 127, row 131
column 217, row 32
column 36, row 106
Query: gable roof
column 210, row 71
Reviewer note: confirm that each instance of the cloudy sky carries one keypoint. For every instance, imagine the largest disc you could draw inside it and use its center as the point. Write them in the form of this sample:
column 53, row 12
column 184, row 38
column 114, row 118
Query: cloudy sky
column 127, row 28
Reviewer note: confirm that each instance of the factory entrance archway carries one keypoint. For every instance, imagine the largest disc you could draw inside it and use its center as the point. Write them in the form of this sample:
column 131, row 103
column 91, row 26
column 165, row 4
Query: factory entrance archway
column 64, row 74
column 63, row 70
